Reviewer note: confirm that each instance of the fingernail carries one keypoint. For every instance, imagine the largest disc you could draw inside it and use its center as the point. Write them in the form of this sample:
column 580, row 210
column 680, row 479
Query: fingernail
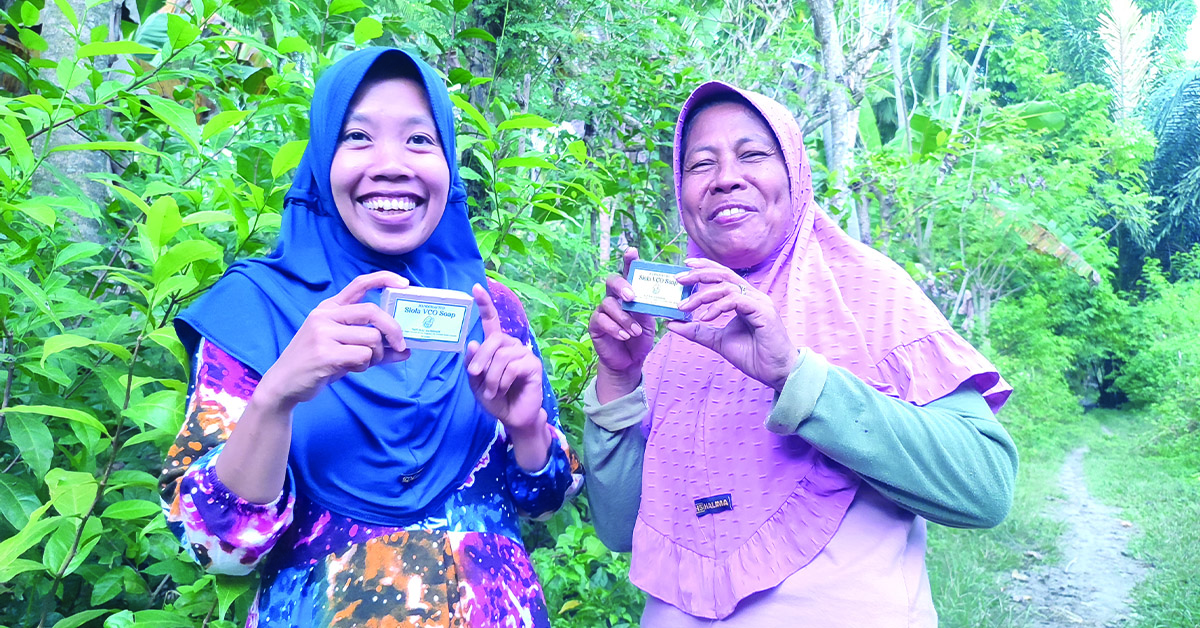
column 637, row 329
column 622, row 335
column 628, row 295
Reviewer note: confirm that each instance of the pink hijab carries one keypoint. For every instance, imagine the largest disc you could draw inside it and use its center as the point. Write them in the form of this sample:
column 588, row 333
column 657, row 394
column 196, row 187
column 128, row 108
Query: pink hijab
column 841, row 299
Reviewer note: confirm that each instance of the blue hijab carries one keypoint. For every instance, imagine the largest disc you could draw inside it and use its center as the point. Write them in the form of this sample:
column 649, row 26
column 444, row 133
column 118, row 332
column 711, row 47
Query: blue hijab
column 384, row 445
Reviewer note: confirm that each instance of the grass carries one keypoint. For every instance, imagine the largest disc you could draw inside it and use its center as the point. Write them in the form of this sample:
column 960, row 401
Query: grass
column 1161, row 496
column 970, row 571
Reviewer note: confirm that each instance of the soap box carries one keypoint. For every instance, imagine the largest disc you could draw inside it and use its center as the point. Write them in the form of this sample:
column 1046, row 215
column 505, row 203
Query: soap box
column 432, row 318
column 656, row 291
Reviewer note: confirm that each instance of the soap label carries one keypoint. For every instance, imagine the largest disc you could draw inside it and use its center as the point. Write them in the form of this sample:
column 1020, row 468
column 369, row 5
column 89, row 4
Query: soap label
column 656, row 288
column 430, row 321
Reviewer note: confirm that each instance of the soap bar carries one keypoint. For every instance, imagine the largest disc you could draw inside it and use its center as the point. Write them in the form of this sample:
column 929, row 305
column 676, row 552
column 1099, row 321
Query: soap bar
column 656, row 291
column 432, row 318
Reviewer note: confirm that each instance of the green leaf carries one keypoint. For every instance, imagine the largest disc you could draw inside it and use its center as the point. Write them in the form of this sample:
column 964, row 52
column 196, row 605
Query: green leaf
column 160, row 619
column 72, row 493
column 57, row 554
column 460, row 76
column 126, row 478
column 367, row 29
column 101, row 48
column 14, row 139
column 524, row 162
column 30, row 535
column 70, row 74
column 79, row 619
column 176, row 116
column 106, row 145
column 183, row 254
column 129, row 196
column 39, row 101
column 32, row 40
column 207, row 217
column 68, row 12
column 165, row 337
column 108, row 586
column 475, row 33
column 70, row 414
column 338, row 7
column 868, row 128
column 222, row 121
column 293, row 44
column 39, row 212
column 62, row 342
column 180, row 31
column 163, row 409
column 17, row 500
column 525, row 121
column 1039, row 115
column 76, row 251
column 287, row 157
column 461, row 5
column 13, row 568
column 229, row 589
column 132, row 509
column 29, row 14
column 163, row 222
column 578, row 150
column 479, row 122
column 33, row 438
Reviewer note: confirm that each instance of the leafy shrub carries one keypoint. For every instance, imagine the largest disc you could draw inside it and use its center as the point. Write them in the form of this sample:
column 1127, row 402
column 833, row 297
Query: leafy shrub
column 586, row 584
column 1162, row 363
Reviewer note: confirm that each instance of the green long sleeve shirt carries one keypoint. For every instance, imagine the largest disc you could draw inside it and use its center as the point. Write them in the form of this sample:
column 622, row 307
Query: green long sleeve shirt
column 949, row 461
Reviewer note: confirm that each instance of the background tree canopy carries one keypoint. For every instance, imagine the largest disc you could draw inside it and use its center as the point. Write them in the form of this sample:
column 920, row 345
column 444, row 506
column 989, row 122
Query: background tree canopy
column 1034, row 165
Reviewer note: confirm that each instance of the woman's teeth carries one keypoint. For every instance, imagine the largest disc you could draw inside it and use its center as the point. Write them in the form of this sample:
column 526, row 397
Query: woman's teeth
column 730, row 212
column 380, row 204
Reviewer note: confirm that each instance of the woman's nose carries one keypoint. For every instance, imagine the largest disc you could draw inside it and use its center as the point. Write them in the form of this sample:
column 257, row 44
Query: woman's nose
column 729, row 177
column 390, row 160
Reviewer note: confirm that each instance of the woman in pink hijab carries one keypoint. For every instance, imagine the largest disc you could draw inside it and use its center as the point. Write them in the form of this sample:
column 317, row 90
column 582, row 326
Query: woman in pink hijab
column 773, row 461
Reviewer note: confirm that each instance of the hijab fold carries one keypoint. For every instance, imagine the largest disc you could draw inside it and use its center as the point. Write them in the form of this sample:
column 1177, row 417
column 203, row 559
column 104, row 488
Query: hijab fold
column 841, row 299
column 384, row 445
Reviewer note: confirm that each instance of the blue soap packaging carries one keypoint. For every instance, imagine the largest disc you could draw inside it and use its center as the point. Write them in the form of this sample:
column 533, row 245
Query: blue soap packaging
column 656, row 291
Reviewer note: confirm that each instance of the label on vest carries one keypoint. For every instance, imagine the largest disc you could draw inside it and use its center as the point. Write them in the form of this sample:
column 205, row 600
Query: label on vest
column 713, row 505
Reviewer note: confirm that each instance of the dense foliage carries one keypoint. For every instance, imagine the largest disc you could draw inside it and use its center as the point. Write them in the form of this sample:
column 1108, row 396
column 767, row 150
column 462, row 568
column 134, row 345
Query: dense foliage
column 147, row 145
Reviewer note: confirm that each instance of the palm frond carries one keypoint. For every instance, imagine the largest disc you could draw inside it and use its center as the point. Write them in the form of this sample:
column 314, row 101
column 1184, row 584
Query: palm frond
column 1128, row 37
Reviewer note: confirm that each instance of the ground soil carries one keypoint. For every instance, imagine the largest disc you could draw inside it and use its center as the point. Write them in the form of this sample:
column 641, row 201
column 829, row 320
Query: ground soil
column 1090, row 586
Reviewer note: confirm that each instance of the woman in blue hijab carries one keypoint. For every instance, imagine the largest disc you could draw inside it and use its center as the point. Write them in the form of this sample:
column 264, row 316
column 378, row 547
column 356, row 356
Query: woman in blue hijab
column 370, row 481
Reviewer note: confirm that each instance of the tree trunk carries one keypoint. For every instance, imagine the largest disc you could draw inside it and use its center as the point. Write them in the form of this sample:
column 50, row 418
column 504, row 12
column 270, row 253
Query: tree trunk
column 898, row 86
column 74, row 166
column 840, row 133
column 943, row 58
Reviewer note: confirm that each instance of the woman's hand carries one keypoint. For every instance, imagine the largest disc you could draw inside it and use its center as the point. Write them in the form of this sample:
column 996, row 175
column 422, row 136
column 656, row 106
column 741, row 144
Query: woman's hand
column 340, row 335
column 506, row 378
column 622, row 339
column 755, row 340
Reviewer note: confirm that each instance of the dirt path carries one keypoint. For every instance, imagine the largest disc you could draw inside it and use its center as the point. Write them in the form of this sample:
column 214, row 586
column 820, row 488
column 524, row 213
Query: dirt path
column 1091, row 586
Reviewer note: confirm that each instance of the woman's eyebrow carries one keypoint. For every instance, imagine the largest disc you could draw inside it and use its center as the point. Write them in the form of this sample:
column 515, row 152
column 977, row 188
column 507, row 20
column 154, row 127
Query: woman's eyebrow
column 736, row 144
column 415, row 119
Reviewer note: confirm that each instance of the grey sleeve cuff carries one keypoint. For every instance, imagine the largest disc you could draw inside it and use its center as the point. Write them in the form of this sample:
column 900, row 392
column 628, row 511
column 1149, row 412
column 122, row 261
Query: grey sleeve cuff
column 617, row 414
column 800, row 393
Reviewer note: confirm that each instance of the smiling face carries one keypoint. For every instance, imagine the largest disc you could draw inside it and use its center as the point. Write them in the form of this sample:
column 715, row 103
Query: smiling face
column 735, row 198
column 389, row 176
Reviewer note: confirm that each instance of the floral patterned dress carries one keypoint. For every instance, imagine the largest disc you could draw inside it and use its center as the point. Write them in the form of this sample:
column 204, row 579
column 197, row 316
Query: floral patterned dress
column 463, row 565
